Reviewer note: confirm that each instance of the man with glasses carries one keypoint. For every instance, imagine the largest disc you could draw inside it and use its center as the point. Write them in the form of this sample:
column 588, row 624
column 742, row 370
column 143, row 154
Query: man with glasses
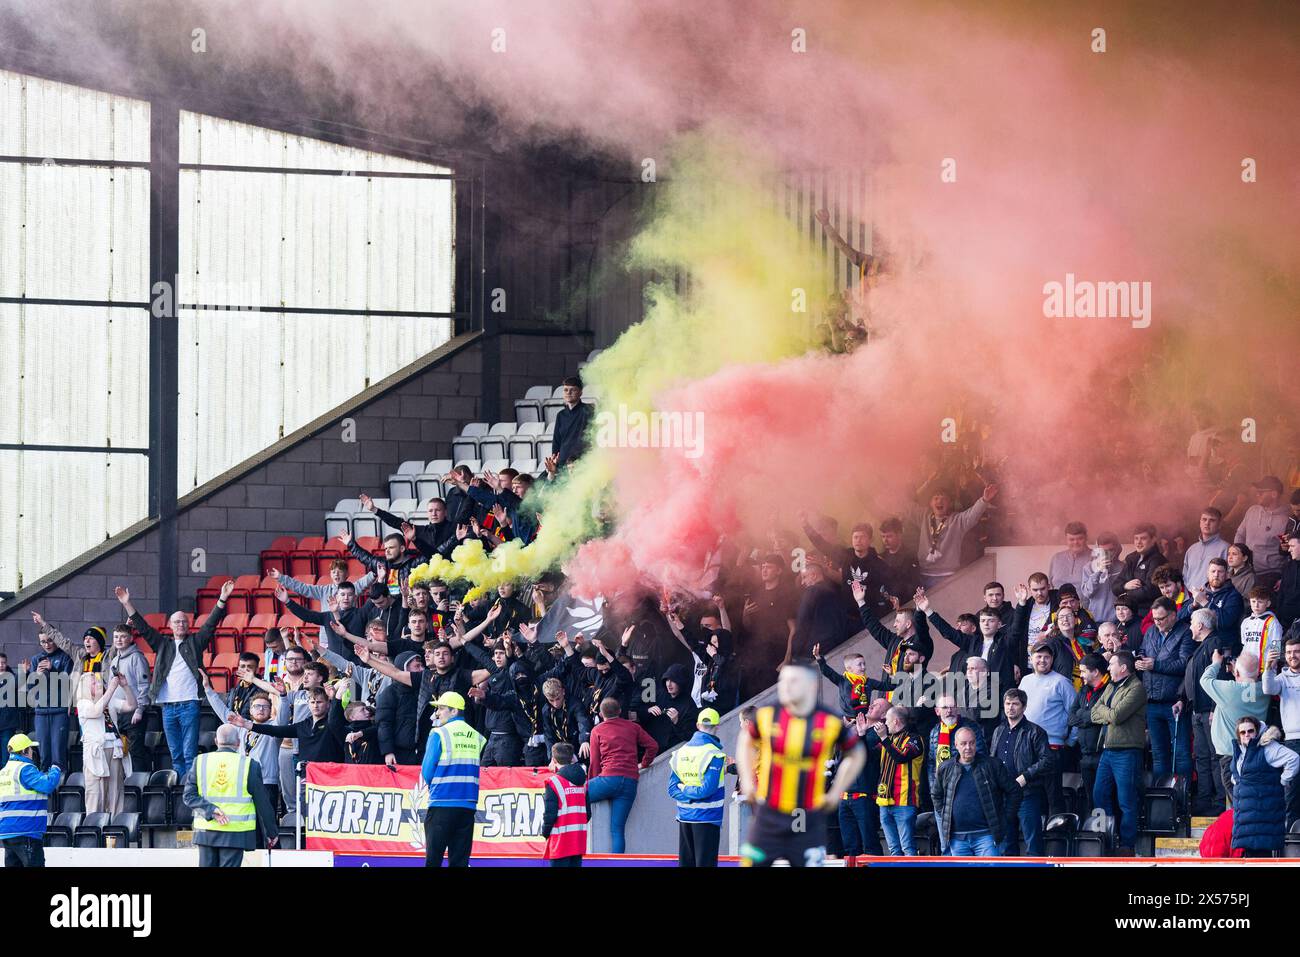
column 292, row 678
column 1166, row 648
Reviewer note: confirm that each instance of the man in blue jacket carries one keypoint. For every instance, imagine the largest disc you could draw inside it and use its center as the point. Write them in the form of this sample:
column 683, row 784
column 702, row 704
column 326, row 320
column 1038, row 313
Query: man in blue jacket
column 696, row 784
column 450, row 770
column 1167, row 646
column 24, row 794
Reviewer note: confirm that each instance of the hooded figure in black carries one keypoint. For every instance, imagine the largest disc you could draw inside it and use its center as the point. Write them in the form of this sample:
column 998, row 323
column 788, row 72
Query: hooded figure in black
column 397, row 720
column 674, row 712
column 721, row 686
column 516, row 736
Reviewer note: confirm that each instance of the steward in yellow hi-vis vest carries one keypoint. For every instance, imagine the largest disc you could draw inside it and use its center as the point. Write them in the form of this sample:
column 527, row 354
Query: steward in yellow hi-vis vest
column 697, row 785
column 232, row 808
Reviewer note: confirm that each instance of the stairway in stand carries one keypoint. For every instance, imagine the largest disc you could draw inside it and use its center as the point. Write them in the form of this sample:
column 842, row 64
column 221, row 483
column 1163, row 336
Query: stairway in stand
column 1184, row 846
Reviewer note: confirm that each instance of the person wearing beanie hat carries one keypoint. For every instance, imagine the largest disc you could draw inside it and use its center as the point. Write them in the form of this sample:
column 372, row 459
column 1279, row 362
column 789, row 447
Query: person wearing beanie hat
column 88, row 656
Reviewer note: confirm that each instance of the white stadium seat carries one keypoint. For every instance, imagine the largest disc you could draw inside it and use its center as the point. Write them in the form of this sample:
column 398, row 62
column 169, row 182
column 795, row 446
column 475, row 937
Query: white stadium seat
column 401, row 484
column 493, row 445
column 529, row 408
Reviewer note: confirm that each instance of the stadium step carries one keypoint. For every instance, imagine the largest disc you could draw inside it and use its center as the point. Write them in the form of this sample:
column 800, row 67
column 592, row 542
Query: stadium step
column 1199, row 824
column 1178, row 847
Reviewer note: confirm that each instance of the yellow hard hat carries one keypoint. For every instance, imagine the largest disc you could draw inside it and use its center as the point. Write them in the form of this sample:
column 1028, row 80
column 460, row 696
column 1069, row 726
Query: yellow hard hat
column 450, row 699
column 20, row 742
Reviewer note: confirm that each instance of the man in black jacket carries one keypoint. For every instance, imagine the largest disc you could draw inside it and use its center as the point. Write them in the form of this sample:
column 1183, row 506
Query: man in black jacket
column 1022, row 747
column 910, row 627
column 857, row 563
column 399, row 738
column 513, row 705
column 993, row 641
column 177, row 684
column 1139, row 566
column 1210, row 796
column 821, row 618
column 1094, row 678
column 1167, row 646
column 394, row 568
column 570, row 439
column 1287, row 607
column 976, row 800
column 344, row 608
column 437, row 537
column 320, row 737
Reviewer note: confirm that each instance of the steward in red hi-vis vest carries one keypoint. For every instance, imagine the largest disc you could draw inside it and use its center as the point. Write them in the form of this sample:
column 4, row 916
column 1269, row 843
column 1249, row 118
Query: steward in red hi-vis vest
column 564, row 820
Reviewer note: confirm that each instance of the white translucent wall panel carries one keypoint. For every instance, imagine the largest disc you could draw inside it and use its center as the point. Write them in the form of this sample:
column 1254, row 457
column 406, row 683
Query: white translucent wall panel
column 217, row 142
column 57, row 505
column 247, row 378
column 74, row 375
column 316, row 242
column 74, row 232
column 46, row 119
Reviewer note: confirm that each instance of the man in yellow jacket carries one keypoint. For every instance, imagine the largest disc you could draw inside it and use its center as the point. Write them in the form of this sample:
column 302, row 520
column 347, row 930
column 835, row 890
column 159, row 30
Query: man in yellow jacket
column 232, row 808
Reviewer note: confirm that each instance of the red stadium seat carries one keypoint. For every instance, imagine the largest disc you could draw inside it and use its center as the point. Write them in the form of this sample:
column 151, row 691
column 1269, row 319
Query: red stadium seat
column 277, row 556
column 157, row 620
column 355, row 569
column 254, row 640
column 219, row 678
column 326, row 557
column 369, row 543
column 206, row 597
column 225, row 642
column 262, row 621
column 263, row 601
column 302, row 560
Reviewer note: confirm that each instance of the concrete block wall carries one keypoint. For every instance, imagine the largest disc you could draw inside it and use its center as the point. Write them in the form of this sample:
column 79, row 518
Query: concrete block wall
column 290, row 492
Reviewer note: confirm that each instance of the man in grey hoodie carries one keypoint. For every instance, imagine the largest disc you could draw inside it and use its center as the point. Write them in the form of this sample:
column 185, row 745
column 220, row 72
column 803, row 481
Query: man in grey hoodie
column 126, row 659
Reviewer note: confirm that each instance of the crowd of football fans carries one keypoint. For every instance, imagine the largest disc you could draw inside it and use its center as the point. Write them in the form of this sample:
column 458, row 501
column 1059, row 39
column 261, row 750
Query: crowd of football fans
column 1177, row 659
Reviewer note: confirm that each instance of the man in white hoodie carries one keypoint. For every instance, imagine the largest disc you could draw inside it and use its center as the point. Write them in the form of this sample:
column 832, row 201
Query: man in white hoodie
column 1285, row 682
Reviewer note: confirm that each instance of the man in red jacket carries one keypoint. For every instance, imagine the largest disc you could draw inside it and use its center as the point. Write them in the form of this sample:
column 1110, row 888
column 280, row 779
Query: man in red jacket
column 615, row 766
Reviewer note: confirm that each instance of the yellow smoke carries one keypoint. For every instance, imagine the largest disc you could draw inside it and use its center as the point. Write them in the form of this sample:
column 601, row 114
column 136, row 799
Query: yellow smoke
column 753, row 296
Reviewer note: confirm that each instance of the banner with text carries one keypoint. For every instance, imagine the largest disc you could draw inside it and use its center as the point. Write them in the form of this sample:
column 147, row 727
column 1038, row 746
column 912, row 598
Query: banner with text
column 371, row 809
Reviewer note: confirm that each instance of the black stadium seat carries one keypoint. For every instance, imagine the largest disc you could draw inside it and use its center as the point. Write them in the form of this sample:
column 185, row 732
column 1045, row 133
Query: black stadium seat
column 1058, row 836
column 1096, row 836
column 90, row 832
column 926, row 835
column 289, row 831
column 72, row 793
column 125, row 827
column 59, row 834
column 133, row 791
column 157, row 809
column 1164, row 805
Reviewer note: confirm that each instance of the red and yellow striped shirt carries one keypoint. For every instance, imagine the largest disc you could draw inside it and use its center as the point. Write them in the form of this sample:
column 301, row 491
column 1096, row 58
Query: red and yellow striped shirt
column 793, row 753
